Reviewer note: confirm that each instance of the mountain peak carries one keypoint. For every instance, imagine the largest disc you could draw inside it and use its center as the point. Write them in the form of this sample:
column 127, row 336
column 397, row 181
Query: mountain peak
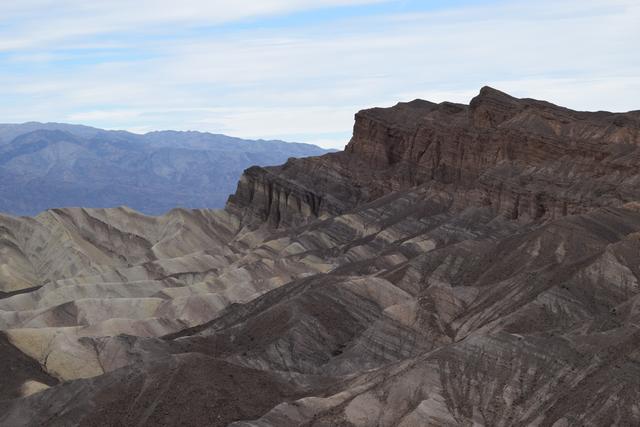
column 490, row 92
column 492, row 107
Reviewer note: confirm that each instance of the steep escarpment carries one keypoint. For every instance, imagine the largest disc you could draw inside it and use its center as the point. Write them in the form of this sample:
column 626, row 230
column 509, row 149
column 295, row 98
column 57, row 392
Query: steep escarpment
column 521, row 157
column 524, row 158
column 456, row 265
column 303, row 189
column 274, row 199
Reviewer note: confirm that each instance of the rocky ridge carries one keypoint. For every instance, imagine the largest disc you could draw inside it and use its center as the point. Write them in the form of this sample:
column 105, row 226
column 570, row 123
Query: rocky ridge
column 521, row 157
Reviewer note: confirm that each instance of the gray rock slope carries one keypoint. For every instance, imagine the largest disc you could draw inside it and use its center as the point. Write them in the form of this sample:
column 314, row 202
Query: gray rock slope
column 52, row 165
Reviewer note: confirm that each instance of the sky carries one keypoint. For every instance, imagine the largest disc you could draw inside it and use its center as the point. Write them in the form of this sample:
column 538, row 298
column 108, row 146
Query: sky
column 298, row 70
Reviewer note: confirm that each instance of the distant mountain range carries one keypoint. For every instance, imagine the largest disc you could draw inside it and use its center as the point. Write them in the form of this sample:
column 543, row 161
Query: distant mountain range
column 48, row 165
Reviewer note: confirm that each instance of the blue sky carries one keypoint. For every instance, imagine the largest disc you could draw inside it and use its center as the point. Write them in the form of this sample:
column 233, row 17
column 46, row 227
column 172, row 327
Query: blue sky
column 299, row 69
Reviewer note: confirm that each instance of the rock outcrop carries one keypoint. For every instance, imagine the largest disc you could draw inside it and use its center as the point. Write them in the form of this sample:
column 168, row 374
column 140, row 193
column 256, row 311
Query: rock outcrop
column 454, row 266
column 524, row 158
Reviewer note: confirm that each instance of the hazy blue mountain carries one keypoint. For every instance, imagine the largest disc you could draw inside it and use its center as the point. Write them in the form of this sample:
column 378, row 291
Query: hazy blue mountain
column 58, row 165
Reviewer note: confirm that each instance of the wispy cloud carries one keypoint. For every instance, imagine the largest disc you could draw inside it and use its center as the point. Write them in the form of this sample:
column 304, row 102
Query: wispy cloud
column 301, row 69
column 34, row 23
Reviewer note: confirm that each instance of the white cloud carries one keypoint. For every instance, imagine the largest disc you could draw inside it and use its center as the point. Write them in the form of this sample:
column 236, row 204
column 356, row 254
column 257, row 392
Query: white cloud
column 43, row 23
column 95, row 116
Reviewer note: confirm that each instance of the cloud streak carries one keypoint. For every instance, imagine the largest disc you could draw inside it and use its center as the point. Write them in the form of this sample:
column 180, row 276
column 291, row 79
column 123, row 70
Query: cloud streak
column 41, row 23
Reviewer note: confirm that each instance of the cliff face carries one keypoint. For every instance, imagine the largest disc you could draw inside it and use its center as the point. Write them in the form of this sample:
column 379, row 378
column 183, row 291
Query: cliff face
column 302, row 189
column 289, row 194
column 524, row 158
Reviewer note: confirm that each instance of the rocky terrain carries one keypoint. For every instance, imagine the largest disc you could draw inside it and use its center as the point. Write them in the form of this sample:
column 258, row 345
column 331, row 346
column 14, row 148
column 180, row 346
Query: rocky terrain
column 456, row 265
column 51, row 165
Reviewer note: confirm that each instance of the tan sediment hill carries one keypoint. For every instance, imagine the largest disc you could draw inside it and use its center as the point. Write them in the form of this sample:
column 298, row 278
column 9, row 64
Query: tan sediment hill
column 455, row 265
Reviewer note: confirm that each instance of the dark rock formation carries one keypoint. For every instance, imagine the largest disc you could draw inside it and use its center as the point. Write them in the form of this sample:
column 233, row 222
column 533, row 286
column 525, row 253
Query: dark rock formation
column 524, row 158
column 21, row 375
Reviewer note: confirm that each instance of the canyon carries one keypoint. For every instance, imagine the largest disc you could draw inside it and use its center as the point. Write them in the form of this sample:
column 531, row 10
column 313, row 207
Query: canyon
column 455, row 265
